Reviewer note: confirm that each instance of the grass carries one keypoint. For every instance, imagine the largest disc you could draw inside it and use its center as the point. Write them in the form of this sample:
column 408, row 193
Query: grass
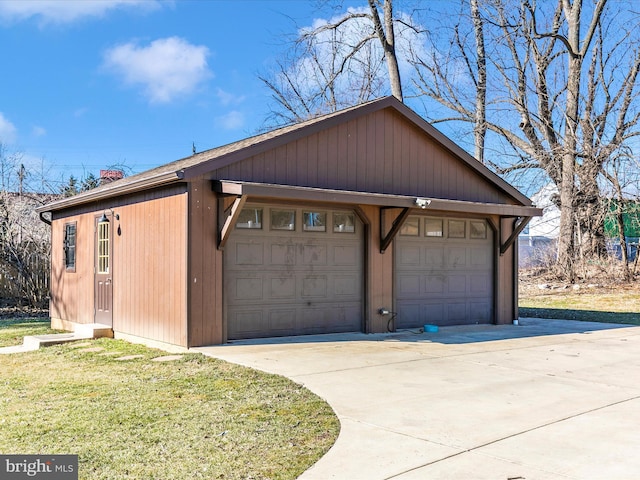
column 619, row 307
column 196, row 417
column 12, row 330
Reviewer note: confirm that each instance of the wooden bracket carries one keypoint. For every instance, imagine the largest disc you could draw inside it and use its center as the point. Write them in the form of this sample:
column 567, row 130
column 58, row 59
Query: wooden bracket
column 385, row 240
column 227, row 217
column 518, row 228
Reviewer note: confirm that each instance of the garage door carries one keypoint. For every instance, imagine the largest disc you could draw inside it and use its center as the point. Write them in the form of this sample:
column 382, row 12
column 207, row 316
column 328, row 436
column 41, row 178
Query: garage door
column 443, row 272
column 293, row 271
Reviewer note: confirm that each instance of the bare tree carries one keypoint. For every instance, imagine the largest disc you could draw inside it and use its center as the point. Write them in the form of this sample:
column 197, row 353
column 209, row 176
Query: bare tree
column 24, row 239
column 349, row 59
column 561, row 94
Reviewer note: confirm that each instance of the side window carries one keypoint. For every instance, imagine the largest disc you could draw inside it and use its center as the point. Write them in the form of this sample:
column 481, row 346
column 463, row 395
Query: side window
column 70, row 247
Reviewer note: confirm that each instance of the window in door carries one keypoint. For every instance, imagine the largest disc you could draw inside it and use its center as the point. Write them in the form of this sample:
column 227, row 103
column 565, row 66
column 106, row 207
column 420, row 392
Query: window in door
column 103, row 247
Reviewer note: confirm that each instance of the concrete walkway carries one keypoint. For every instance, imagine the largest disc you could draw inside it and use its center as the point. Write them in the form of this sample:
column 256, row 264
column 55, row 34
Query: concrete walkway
column 544, row 400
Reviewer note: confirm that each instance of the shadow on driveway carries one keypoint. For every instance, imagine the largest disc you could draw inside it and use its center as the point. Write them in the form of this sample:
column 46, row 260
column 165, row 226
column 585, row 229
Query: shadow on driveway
column 528, row 327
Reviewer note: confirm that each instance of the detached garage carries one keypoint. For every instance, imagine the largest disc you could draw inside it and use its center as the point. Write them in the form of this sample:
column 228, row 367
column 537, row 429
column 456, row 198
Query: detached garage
column 318, row 227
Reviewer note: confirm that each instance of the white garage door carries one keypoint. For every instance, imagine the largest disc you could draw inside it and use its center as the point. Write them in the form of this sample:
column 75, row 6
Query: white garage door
column 293, row 271
column 443, row 272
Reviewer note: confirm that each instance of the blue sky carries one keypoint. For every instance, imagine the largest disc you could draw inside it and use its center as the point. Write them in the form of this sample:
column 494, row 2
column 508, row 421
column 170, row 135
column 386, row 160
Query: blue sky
column 92, row 84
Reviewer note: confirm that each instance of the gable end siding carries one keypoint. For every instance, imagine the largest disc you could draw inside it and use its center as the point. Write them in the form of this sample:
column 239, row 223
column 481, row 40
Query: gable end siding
column 381, row 153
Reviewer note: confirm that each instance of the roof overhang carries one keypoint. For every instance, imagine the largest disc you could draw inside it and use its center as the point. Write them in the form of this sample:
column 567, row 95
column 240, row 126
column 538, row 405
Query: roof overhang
column 112, row 190
column 288, row 192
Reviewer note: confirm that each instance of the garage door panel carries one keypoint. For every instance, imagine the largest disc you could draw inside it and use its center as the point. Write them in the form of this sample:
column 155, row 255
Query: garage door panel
column 456, row 257
column 435, row 283
column 480, row 285
column 314, row 286
column 433, row 257
column 480, row 257
column 456, row 313
column 481, row 311
column 409, row 255
column 451, row 283
column 314, row 255
column 249, row 253
column 282, row 320
column 345, row 255
column 457, row 284
column 408, row 285
column 282, row 287
column 433, row 313
column 346, row 286
column 408, row 314
column 310, row 281
column 248, row 322
column 283, row 254
column 248, row 288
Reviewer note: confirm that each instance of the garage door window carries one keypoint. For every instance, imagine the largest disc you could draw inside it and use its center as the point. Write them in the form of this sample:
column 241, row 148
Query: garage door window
column 250, row 218
column 283, row 219
column 314, row 222
column 457, row 229
column 433, row 227
column 344, row 222
column 411, row 227
column 478, row 230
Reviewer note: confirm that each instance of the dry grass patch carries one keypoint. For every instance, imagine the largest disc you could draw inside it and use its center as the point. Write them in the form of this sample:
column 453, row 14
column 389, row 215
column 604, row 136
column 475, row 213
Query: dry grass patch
column 192, row 418
column 608, row 303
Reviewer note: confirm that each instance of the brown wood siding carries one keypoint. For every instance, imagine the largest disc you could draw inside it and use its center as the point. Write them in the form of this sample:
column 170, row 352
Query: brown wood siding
column 380, row 152
column 378, row 271
column 72, row 292
column 149, row 268
column 205, row 268
column 506, row 281
column 149, row 265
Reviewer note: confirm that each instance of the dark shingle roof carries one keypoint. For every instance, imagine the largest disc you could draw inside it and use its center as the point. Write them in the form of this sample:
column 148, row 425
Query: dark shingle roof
column 199, row 163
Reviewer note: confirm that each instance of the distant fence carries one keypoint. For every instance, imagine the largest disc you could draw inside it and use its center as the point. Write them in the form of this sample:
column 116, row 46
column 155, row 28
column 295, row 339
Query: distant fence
column 29, row 284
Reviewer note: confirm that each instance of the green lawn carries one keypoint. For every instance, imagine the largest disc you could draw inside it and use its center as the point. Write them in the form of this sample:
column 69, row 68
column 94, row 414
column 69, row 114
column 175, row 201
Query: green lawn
column 615, row 307
column 195, row 418
column 12, row 330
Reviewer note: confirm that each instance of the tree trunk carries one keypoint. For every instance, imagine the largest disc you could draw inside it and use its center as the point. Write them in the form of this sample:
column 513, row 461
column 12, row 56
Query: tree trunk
column 480, row 122
column 566, row 240
column 386, row 35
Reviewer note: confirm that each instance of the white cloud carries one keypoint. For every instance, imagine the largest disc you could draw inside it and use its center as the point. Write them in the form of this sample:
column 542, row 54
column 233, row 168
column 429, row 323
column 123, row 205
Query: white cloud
column 38, row 131
column 80, row 112
column 8, row 132
column 66, row 11
column 231, row 121
column 165, row 69
column 227, row 98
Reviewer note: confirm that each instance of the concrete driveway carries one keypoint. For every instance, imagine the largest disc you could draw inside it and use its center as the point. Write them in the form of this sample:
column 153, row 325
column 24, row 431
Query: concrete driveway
column 543, row 400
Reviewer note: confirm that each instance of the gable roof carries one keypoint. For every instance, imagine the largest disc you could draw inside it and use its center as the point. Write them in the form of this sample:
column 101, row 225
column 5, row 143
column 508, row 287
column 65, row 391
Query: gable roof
column 200, row 163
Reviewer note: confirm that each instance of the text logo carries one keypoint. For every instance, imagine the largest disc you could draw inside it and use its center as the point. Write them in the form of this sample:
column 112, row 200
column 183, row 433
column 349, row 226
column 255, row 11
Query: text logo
column 39, row 467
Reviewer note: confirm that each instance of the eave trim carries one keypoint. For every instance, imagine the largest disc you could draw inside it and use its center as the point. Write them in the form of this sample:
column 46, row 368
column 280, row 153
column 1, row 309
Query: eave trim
column 271, row 191
column 110, row 192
